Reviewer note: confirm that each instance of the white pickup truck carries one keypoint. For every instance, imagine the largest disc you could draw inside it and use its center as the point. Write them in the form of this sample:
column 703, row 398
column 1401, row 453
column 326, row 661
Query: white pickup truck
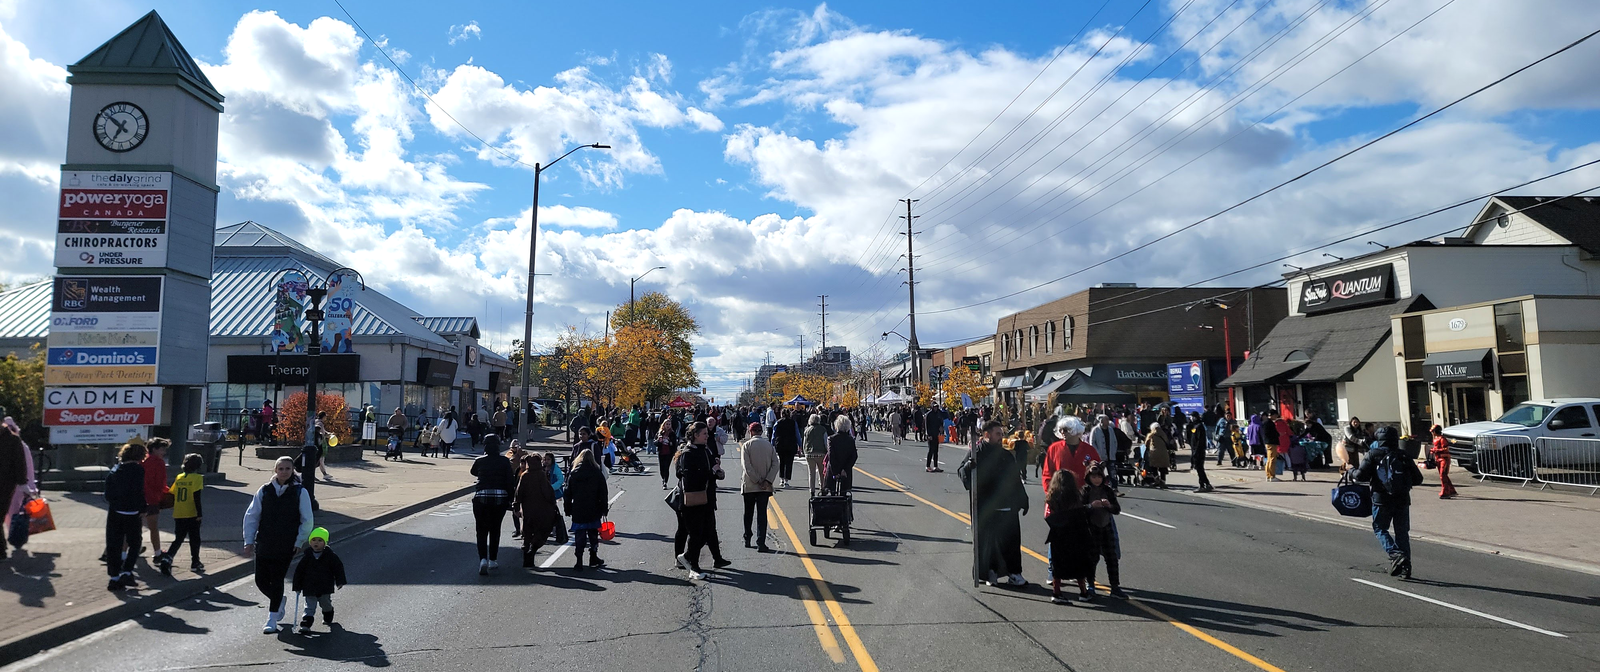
column 1566, row 418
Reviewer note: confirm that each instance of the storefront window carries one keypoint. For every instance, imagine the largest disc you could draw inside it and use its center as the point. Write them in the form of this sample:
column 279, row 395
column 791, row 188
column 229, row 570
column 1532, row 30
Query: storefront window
column 1514, row 390
column 1322, row 400
column 1414, row 342
column 1420, row 403
column 1508, row 327
column 415, row 399
column 1257, row 399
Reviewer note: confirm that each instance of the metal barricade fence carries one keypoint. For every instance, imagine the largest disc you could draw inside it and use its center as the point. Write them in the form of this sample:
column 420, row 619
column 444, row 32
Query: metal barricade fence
column 1507, row 457
column 1574, row 462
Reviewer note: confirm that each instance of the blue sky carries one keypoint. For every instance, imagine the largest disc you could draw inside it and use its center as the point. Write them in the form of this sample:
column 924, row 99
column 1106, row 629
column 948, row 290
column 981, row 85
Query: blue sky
column 760, row 148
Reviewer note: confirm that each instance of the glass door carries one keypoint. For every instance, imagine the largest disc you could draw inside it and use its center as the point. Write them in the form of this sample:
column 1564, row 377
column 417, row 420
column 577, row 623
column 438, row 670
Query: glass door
column 1465, row 402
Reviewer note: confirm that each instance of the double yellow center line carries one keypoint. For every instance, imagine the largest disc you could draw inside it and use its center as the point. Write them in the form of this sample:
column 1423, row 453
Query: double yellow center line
column 1152, row 611
column 857, row 649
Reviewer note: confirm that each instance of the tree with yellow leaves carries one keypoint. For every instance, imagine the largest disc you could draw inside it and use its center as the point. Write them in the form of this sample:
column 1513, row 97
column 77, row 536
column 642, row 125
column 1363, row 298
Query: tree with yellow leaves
column 962, row 381
column 924, row 394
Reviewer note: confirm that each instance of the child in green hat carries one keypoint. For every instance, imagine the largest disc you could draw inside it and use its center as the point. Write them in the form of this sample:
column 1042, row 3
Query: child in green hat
column 319, row 574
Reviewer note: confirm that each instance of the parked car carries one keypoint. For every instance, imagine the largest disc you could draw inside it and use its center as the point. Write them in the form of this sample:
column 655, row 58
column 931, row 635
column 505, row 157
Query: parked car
column 1569, row 418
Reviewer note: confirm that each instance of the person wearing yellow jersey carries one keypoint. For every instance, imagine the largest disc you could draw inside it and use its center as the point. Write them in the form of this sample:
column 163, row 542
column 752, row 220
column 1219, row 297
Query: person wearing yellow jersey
column 185, row 491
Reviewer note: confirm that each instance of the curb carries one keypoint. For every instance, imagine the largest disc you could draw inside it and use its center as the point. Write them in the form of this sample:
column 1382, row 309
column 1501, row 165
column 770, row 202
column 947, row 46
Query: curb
column 1453, row 542
column 29, row 644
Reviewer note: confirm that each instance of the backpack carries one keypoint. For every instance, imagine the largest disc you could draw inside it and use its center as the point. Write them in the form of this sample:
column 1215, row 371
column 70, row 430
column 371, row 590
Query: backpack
column 1392, row 473
column 964, row 472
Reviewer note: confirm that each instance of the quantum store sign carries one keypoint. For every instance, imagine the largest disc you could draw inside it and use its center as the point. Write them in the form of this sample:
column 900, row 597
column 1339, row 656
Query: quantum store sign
column 104, row 330
column 112, row 218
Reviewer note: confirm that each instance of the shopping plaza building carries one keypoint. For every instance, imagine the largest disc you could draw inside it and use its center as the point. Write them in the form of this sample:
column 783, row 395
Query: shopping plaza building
column 1123, row 336
column 1447, row 330
column 399, row 357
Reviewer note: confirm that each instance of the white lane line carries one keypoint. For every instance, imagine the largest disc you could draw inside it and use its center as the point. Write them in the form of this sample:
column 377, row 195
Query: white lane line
column 893, row 449
column 555, row 556
column 1464, row 610
column 563, row 548
column 1152, row 522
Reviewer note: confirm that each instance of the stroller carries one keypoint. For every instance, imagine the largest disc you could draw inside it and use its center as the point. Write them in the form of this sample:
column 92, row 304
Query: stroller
column 394, row 453
column 832, row 508
column 628, row 460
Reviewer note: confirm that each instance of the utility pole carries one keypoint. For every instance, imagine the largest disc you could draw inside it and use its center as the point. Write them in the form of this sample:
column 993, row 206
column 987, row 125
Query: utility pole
column 911, row 290
column 608, row 326
column 824, row 324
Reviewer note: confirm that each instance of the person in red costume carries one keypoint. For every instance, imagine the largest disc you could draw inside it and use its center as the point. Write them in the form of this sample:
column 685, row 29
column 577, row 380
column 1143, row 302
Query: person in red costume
column 1441, row 455
column 1070, row 452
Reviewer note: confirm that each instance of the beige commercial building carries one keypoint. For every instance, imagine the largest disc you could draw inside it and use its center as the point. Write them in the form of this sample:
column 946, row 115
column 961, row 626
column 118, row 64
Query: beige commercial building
column 1474, row 362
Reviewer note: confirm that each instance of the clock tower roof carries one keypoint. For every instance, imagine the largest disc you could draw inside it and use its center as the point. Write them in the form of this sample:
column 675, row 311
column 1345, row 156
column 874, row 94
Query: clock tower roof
column 147, row 50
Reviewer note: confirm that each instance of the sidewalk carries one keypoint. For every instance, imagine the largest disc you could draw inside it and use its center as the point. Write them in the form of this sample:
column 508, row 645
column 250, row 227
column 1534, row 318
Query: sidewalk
column 1550, row 527
column 54, row 589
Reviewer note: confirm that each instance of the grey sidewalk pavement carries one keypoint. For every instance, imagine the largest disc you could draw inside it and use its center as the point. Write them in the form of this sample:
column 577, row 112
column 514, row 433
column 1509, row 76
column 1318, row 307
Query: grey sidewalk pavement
column 57, row 581
column 1552, row 527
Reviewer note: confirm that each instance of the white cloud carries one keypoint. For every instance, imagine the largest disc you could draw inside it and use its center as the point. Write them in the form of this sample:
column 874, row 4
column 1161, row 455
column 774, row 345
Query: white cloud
column 578, row 218
column 839, row 120
column 32, row 144
column 470, row 31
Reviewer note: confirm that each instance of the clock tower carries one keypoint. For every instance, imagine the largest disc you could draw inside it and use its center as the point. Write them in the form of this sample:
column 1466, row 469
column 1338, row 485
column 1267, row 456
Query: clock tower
column 131, row 306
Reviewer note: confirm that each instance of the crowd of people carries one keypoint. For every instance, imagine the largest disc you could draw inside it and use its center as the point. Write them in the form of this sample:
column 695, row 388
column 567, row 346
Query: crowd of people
column 1080, row 466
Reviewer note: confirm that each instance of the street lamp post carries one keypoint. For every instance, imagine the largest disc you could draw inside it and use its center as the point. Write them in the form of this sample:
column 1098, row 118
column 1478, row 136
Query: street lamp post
column 314, row 315
column 533, row 258
column 1227, row 344
column 630, row 289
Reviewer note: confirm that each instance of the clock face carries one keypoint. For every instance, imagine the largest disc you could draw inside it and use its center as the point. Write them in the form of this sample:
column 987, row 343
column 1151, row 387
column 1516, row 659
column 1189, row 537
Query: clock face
column 121, row 126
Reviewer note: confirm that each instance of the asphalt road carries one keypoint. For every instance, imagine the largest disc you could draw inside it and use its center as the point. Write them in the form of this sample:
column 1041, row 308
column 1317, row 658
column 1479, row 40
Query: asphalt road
column 1215, row 587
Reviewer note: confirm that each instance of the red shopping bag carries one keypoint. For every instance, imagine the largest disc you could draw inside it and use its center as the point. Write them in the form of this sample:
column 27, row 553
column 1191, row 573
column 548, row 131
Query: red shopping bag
column 39, row 519
column 608, row 531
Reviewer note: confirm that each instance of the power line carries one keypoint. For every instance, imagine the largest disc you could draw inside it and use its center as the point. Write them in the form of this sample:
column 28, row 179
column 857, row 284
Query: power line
column 1188, row 132
column 1289, row 181
column 882, row 228
column 1197, row 95
column 1244, row 59
column 423, row 91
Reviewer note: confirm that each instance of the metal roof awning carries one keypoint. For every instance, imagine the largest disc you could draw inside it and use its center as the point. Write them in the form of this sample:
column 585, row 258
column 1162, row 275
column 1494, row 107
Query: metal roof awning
column 1041, row 394
column 1086, row 391
column 1011, row 383
column 1444, row 367
column 1262, row 373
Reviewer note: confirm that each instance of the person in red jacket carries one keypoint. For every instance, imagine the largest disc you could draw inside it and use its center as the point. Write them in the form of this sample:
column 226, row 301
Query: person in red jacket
column 1070, row 452
column 1441, row 455
column 1285, row 437
column 155, row 488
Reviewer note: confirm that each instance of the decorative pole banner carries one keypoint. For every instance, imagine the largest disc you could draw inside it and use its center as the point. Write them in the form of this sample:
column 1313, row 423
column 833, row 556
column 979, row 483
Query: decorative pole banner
column 291, row 301
column 341, row 309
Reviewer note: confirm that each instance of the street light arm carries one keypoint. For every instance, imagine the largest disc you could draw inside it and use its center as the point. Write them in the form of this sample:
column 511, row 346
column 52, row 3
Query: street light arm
column 346, row 270
column 641, row 275
column 595, row 145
